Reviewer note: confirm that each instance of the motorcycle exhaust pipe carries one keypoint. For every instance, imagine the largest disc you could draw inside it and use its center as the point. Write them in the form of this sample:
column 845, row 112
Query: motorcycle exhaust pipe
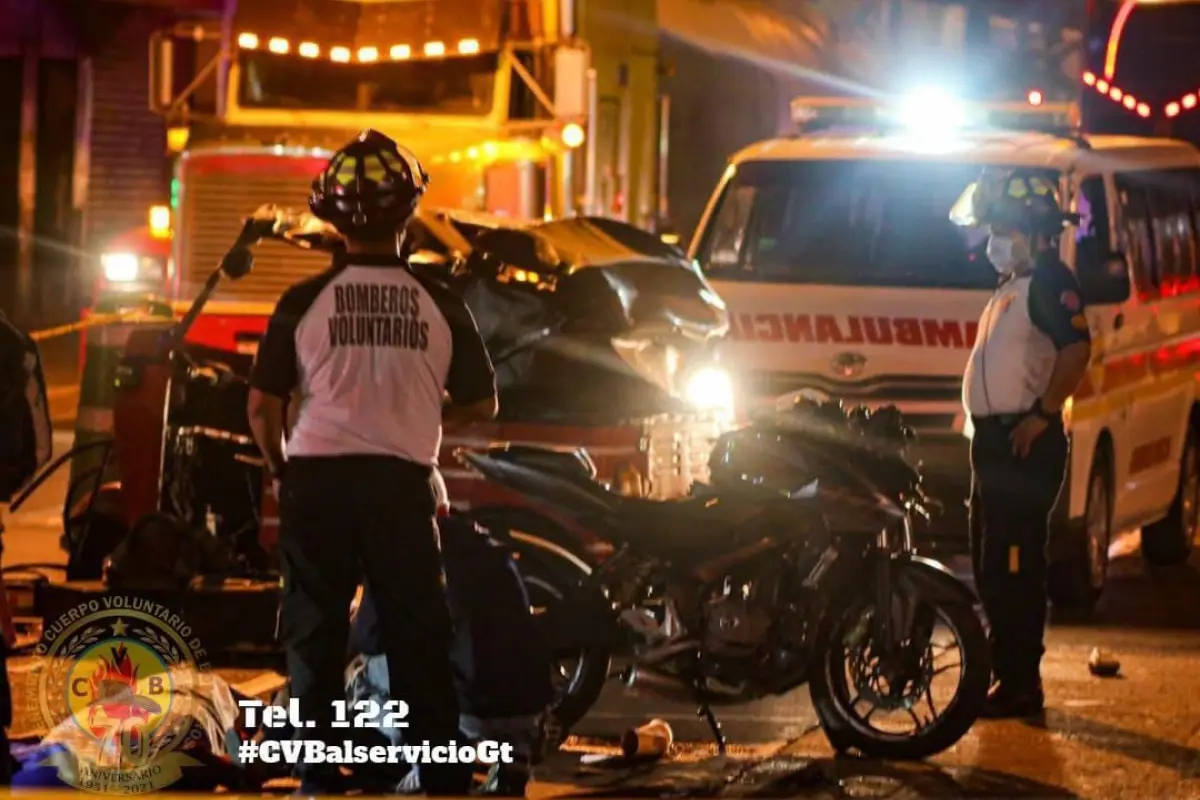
column 646, row 682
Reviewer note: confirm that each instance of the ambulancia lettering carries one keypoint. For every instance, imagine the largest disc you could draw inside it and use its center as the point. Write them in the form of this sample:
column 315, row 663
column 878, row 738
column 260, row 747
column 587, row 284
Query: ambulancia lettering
column 828, row 329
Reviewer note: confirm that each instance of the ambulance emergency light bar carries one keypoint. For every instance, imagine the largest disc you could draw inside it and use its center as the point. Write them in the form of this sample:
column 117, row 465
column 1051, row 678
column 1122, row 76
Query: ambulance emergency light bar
column 932, row 111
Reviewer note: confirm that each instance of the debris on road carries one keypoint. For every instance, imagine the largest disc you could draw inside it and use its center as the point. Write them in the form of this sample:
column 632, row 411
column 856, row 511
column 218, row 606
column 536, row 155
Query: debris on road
column 1103, row 664
column 652, row 740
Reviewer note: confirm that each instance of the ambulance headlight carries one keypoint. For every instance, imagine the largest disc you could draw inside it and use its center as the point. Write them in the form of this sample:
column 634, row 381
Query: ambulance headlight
column 711, row 389
column 931, row 109
column 120, row 267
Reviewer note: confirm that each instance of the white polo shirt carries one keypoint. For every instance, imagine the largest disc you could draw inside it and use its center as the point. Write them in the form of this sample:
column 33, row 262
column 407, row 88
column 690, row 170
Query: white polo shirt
column 1027, row 321
column 371, row 350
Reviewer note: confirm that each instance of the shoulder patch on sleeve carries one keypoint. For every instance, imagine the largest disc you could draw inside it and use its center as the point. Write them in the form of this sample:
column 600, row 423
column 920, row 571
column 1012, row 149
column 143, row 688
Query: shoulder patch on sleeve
column 1071, row 301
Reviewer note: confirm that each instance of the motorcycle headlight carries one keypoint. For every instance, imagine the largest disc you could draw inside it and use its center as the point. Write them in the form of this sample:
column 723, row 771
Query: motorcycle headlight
column 711, row 389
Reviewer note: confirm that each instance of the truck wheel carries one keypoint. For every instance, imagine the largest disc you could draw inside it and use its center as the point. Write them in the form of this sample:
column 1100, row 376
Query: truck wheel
column 1169, row 541
column 1075, row 582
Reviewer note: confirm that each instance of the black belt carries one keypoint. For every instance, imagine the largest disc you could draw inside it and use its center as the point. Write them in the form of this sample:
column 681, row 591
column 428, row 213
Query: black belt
column 1004, row 420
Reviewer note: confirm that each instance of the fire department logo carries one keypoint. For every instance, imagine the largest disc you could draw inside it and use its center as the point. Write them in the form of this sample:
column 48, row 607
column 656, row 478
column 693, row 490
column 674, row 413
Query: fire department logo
column 118, row 686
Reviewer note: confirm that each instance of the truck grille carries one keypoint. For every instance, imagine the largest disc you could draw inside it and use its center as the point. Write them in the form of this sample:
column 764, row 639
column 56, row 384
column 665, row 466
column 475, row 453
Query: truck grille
column 213, row 204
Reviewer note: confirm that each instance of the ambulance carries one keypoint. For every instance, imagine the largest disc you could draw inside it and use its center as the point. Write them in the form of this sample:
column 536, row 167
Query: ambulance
column 845, row 276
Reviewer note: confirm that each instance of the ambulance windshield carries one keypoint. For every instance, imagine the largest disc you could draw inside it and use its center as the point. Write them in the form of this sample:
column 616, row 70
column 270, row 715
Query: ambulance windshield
column 846, row 223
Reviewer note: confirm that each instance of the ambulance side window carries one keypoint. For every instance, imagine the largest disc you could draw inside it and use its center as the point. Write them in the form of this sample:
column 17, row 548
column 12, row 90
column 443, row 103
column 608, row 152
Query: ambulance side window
column 1092, row 239
column 1136, row 238
column 1170, row 212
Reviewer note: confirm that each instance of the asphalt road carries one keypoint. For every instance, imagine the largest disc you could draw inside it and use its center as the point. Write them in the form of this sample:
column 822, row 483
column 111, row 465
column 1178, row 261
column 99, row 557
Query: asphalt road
column 1137, row 735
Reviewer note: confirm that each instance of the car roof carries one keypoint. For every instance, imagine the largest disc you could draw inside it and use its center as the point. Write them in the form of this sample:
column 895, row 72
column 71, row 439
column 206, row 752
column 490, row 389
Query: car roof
column 1008, row 148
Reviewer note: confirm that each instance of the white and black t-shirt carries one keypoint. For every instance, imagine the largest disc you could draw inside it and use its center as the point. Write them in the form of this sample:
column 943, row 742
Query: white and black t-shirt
column 370, row 350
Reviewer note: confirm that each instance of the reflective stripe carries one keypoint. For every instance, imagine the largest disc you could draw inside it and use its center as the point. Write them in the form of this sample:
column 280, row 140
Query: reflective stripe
column 93, row 419
column 270, row 520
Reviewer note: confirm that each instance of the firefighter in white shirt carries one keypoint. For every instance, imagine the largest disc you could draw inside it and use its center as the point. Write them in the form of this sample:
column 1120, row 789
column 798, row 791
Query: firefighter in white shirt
column 371, row 351
column 1031, row 352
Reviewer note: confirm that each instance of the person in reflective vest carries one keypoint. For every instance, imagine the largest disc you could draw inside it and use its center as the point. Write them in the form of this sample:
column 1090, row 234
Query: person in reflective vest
column 1030, row 355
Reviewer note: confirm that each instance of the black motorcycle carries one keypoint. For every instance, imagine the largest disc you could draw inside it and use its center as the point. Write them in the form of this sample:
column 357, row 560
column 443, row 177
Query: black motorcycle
column 793, row 565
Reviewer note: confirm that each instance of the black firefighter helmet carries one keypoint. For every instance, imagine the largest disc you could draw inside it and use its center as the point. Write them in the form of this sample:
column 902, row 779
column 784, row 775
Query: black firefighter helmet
column 369, row 188
column 1025, row 200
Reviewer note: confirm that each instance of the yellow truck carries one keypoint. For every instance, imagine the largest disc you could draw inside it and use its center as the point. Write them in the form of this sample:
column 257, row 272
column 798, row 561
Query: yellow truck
column 520, row 108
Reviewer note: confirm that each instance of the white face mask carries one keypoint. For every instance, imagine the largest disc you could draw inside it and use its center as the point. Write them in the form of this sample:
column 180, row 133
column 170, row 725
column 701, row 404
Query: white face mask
column 1005, row 253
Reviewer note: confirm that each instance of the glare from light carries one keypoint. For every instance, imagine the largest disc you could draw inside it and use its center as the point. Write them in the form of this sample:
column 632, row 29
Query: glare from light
column 435, row 48
column 160, row 221
column 1143, row 110
column 247, row 41
column 931, row 109
column 1116, row 94
column 710, row 388
column 472, row 153
column 278, row 45
column 177, row 138
column 468, row 46
column 310, row 49
column 572, row 134
column 1035, row 98
column 1089, row 78
column 491, row 149
column 1102, row 87
column 1189, row 101
column 399, row 52
column 1130, row 102
column 1172, row 109
column 340, row 54
column 368, row 54
column 120, row 267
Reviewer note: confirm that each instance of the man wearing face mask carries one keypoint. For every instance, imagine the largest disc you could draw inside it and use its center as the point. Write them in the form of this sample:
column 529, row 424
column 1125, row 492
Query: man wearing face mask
column 1030, row 354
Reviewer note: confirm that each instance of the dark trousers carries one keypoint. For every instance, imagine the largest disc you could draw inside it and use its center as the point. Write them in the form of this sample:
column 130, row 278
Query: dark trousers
column 1011, row 501
column 343, row 519
column 6, row 714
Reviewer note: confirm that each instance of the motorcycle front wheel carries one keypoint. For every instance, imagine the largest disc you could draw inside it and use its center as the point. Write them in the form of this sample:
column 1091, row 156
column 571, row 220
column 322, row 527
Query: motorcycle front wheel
column 852, row 684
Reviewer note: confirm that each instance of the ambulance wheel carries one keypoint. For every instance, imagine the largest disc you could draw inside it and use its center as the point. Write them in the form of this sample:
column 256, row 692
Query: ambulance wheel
column 1076, row 581
column 1169, row 541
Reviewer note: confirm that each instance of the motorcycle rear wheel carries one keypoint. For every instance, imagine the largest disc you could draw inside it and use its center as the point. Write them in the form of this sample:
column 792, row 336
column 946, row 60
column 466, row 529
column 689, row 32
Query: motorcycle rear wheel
column 848, row 732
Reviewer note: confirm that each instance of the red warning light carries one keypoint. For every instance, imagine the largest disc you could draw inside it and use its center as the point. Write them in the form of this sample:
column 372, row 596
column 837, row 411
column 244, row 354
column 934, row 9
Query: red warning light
column 1035, row 97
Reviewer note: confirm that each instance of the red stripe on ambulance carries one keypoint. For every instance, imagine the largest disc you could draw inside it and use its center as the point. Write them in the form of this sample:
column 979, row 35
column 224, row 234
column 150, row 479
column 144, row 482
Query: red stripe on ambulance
column 828, row 329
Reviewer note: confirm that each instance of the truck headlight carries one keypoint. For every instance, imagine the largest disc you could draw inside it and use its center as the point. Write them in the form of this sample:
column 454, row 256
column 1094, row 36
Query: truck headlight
column 120, row 267
column 124, row 270
column 710, row 388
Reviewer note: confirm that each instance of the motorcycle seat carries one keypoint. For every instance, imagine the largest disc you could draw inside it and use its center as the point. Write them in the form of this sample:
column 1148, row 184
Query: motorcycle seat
column 683, row 529
column 572, row 464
